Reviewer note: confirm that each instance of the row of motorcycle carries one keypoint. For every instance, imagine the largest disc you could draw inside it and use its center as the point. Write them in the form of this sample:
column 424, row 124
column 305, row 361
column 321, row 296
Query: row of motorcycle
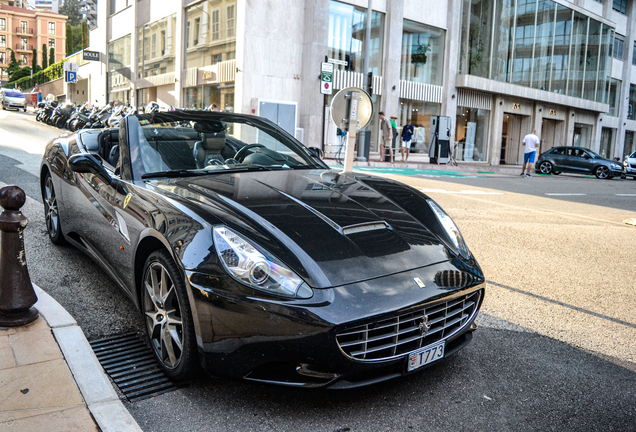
column 86, row 116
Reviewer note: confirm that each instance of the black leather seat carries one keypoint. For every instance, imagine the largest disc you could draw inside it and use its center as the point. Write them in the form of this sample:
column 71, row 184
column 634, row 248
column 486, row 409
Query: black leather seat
column 107, row 140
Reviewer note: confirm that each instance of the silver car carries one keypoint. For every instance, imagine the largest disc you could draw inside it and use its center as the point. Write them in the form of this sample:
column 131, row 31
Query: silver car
column 11, row 98
column 629, row 166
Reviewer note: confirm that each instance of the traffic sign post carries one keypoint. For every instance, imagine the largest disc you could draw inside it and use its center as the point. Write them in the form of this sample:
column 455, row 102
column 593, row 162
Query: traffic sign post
column 351, row 110
column 71, row 77
column 326, row 78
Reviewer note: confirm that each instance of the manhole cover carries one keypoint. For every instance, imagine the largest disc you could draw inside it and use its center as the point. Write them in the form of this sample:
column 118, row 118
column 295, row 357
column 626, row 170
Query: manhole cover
column 132, row 366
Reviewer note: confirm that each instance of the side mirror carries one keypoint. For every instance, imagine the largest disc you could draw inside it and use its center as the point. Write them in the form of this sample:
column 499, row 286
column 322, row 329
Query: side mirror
column 316, row 152
column 89, row 164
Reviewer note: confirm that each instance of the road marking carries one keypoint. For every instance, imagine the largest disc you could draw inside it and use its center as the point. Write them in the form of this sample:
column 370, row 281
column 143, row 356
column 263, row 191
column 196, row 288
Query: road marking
column 463, row 192
column 565, row 194
column 626, row 195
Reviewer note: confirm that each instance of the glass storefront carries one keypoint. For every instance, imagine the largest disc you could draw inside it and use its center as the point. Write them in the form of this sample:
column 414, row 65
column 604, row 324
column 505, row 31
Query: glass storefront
column 422, row 54
column 205, row 95
column 347, row 28
column 629, row 144
column 157, row 48
column 608, row 138
column 471, row 134
column 420, row 114
column 632, row 102
column 119, row 69
column 539, row 44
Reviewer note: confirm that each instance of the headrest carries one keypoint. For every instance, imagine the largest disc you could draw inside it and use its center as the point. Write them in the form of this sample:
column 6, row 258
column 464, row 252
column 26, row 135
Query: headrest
column 209, row 127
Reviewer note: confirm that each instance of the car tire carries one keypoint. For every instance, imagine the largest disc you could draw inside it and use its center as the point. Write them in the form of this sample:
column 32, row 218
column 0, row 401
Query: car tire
column 602, row 172
column 51, row 213
column 167, row 315
column 546, row 168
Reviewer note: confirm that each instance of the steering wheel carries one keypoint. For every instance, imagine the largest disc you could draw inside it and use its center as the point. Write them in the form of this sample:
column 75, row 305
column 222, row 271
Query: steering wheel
column 240, row 155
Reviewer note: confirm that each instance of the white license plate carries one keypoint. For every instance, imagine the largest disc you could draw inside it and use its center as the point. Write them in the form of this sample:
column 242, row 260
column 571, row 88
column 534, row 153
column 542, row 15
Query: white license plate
column 426, row 355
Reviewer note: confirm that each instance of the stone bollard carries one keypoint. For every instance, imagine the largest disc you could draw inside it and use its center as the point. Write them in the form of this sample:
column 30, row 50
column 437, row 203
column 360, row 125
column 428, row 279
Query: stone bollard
column 16, row 291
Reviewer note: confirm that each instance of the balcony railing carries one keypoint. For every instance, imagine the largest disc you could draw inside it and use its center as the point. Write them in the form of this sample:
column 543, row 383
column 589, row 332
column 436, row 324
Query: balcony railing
column 20, row 47
column 24, row 30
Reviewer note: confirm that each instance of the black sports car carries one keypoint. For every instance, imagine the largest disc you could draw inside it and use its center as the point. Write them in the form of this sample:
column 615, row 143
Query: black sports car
column 249, row 256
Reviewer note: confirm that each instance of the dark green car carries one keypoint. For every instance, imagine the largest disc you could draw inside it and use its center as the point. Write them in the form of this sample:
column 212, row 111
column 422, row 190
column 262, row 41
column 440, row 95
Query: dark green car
column 577, row 160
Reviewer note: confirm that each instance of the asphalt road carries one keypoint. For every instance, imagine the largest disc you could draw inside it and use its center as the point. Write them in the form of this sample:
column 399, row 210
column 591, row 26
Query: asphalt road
column 555, row 349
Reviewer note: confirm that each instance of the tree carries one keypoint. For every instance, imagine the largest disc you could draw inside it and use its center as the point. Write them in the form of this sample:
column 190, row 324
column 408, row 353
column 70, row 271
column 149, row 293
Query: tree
column 85, row 41
column 34, row 60
column 73, row 10
column 52, row 56
column 14, row 65
column 69, row 39
column 44, row 62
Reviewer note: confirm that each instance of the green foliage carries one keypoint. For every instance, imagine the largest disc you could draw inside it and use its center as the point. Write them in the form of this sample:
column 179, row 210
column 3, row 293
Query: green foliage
column 45, row 63
column 12, row 59
column 34, row 60
column 69, row 39
column 20, row 73
column 85, row 40
column 51, row 73
column 71, row 8
column 51, row 55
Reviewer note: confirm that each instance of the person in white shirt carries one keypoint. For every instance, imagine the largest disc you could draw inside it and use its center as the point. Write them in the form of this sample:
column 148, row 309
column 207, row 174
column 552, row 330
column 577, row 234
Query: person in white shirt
column 530, row 142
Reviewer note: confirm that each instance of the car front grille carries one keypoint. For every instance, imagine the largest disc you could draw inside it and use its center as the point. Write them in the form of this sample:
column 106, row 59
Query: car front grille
column 396, row 336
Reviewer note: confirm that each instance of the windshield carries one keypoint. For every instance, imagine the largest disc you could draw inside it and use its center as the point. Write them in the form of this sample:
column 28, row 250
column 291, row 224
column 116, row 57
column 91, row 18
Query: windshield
column 595, row 155
column 13, row 93
column 633, row 155
column 195, row 143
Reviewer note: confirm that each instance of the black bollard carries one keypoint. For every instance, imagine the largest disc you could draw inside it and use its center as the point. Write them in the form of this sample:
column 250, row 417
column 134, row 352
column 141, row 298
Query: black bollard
column 16, row 291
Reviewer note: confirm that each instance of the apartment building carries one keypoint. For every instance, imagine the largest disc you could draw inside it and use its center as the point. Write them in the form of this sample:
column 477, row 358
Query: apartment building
column 498, row 68
column 23, row 30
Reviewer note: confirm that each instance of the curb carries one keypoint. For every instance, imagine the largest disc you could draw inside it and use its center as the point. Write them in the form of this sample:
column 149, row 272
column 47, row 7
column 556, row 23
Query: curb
column 98, row 393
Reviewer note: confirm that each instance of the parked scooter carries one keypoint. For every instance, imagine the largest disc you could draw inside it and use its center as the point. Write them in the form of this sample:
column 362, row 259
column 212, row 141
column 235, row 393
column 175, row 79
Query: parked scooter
column 72, row 119
column 47, row 111
column 83, row 117
column 62, row 113
column 98, row 119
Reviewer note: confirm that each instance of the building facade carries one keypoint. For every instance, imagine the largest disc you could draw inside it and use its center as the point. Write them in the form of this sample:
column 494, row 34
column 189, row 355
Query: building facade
column 47, row 5
column 89, row 12
column 23, row 30
column 498, row 68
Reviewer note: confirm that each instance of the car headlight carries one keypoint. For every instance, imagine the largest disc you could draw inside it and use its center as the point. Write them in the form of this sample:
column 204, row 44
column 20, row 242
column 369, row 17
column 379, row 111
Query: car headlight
column 625, row 163
column 255, row 267
column 616, row 166
column 451, row 229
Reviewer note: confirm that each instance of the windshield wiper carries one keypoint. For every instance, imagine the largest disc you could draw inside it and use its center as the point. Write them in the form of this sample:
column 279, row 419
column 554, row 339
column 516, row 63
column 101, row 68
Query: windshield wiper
column 173, row 173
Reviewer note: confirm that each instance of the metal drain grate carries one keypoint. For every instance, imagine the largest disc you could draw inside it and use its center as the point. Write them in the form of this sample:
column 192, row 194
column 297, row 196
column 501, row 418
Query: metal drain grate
column 132, row 365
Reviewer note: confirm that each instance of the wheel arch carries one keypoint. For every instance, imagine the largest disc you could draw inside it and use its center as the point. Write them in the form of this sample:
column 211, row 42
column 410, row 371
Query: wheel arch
column 147, row 245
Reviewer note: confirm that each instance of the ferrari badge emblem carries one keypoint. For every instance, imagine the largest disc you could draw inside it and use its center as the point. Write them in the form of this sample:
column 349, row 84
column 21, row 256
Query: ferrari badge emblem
column 424, row 326
column 127, row 200
column 419, row 282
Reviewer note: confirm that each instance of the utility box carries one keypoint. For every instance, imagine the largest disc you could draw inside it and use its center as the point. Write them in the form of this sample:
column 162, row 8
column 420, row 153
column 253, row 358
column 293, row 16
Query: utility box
column 439, row 139
column 364, row 144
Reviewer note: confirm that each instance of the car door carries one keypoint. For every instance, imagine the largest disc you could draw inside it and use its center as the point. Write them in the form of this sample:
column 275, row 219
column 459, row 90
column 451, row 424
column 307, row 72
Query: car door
column 107, row 218
column 558, row 157
column 579, row 160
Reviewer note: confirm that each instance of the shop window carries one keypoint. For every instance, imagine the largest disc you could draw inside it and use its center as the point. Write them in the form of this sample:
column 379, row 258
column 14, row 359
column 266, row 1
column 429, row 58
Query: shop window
column 471, row 134
column 420, row 114
column 422, row 53
column 629, row 144
column 632, row 102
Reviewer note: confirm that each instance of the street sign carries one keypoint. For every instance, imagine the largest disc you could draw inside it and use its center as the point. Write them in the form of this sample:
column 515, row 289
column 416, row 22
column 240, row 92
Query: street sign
column 70, row 67
column 90, row 55
column 326, row 78
column 71, row 77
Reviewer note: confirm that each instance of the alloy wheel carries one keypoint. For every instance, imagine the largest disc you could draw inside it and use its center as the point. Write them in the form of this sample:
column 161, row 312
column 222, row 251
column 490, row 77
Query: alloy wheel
column 50, row 209
column 545, row 168
column 164, row 321
column 602, row 172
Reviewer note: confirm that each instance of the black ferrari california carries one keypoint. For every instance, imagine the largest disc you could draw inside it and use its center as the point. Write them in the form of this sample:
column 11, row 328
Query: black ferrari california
column 248, row 256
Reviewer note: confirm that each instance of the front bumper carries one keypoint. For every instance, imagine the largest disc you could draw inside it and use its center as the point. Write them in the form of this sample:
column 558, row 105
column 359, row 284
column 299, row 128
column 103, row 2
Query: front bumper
column 294, row 342
column 629, row 171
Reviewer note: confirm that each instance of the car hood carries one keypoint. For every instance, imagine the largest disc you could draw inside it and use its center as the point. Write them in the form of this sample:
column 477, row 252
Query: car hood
column 332, row 229
column 15, row 99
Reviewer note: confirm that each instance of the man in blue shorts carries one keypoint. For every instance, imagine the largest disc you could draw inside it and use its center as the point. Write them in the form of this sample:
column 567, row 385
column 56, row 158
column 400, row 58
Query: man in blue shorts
column 530, row 142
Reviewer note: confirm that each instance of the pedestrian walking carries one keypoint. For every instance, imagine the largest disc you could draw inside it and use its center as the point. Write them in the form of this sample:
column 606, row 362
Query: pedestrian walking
column 407, row 137
column 530, row 141
column 385, row 136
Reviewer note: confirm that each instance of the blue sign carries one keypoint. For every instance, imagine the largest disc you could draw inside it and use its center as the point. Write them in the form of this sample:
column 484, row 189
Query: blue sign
column 71, row 77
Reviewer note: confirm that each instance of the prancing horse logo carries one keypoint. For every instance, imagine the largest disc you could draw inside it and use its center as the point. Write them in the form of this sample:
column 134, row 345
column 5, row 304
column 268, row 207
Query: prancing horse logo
column 424, row 326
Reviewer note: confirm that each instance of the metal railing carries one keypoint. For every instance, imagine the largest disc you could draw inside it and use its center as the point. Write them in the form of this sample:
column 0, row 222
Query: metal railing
column 24, row 30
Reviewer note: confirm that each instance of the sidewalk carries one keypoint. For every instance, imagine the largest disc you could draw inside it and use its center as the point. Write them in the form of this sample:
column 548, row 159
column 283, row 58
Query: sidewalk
column 50, row 379
column 419, row 161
